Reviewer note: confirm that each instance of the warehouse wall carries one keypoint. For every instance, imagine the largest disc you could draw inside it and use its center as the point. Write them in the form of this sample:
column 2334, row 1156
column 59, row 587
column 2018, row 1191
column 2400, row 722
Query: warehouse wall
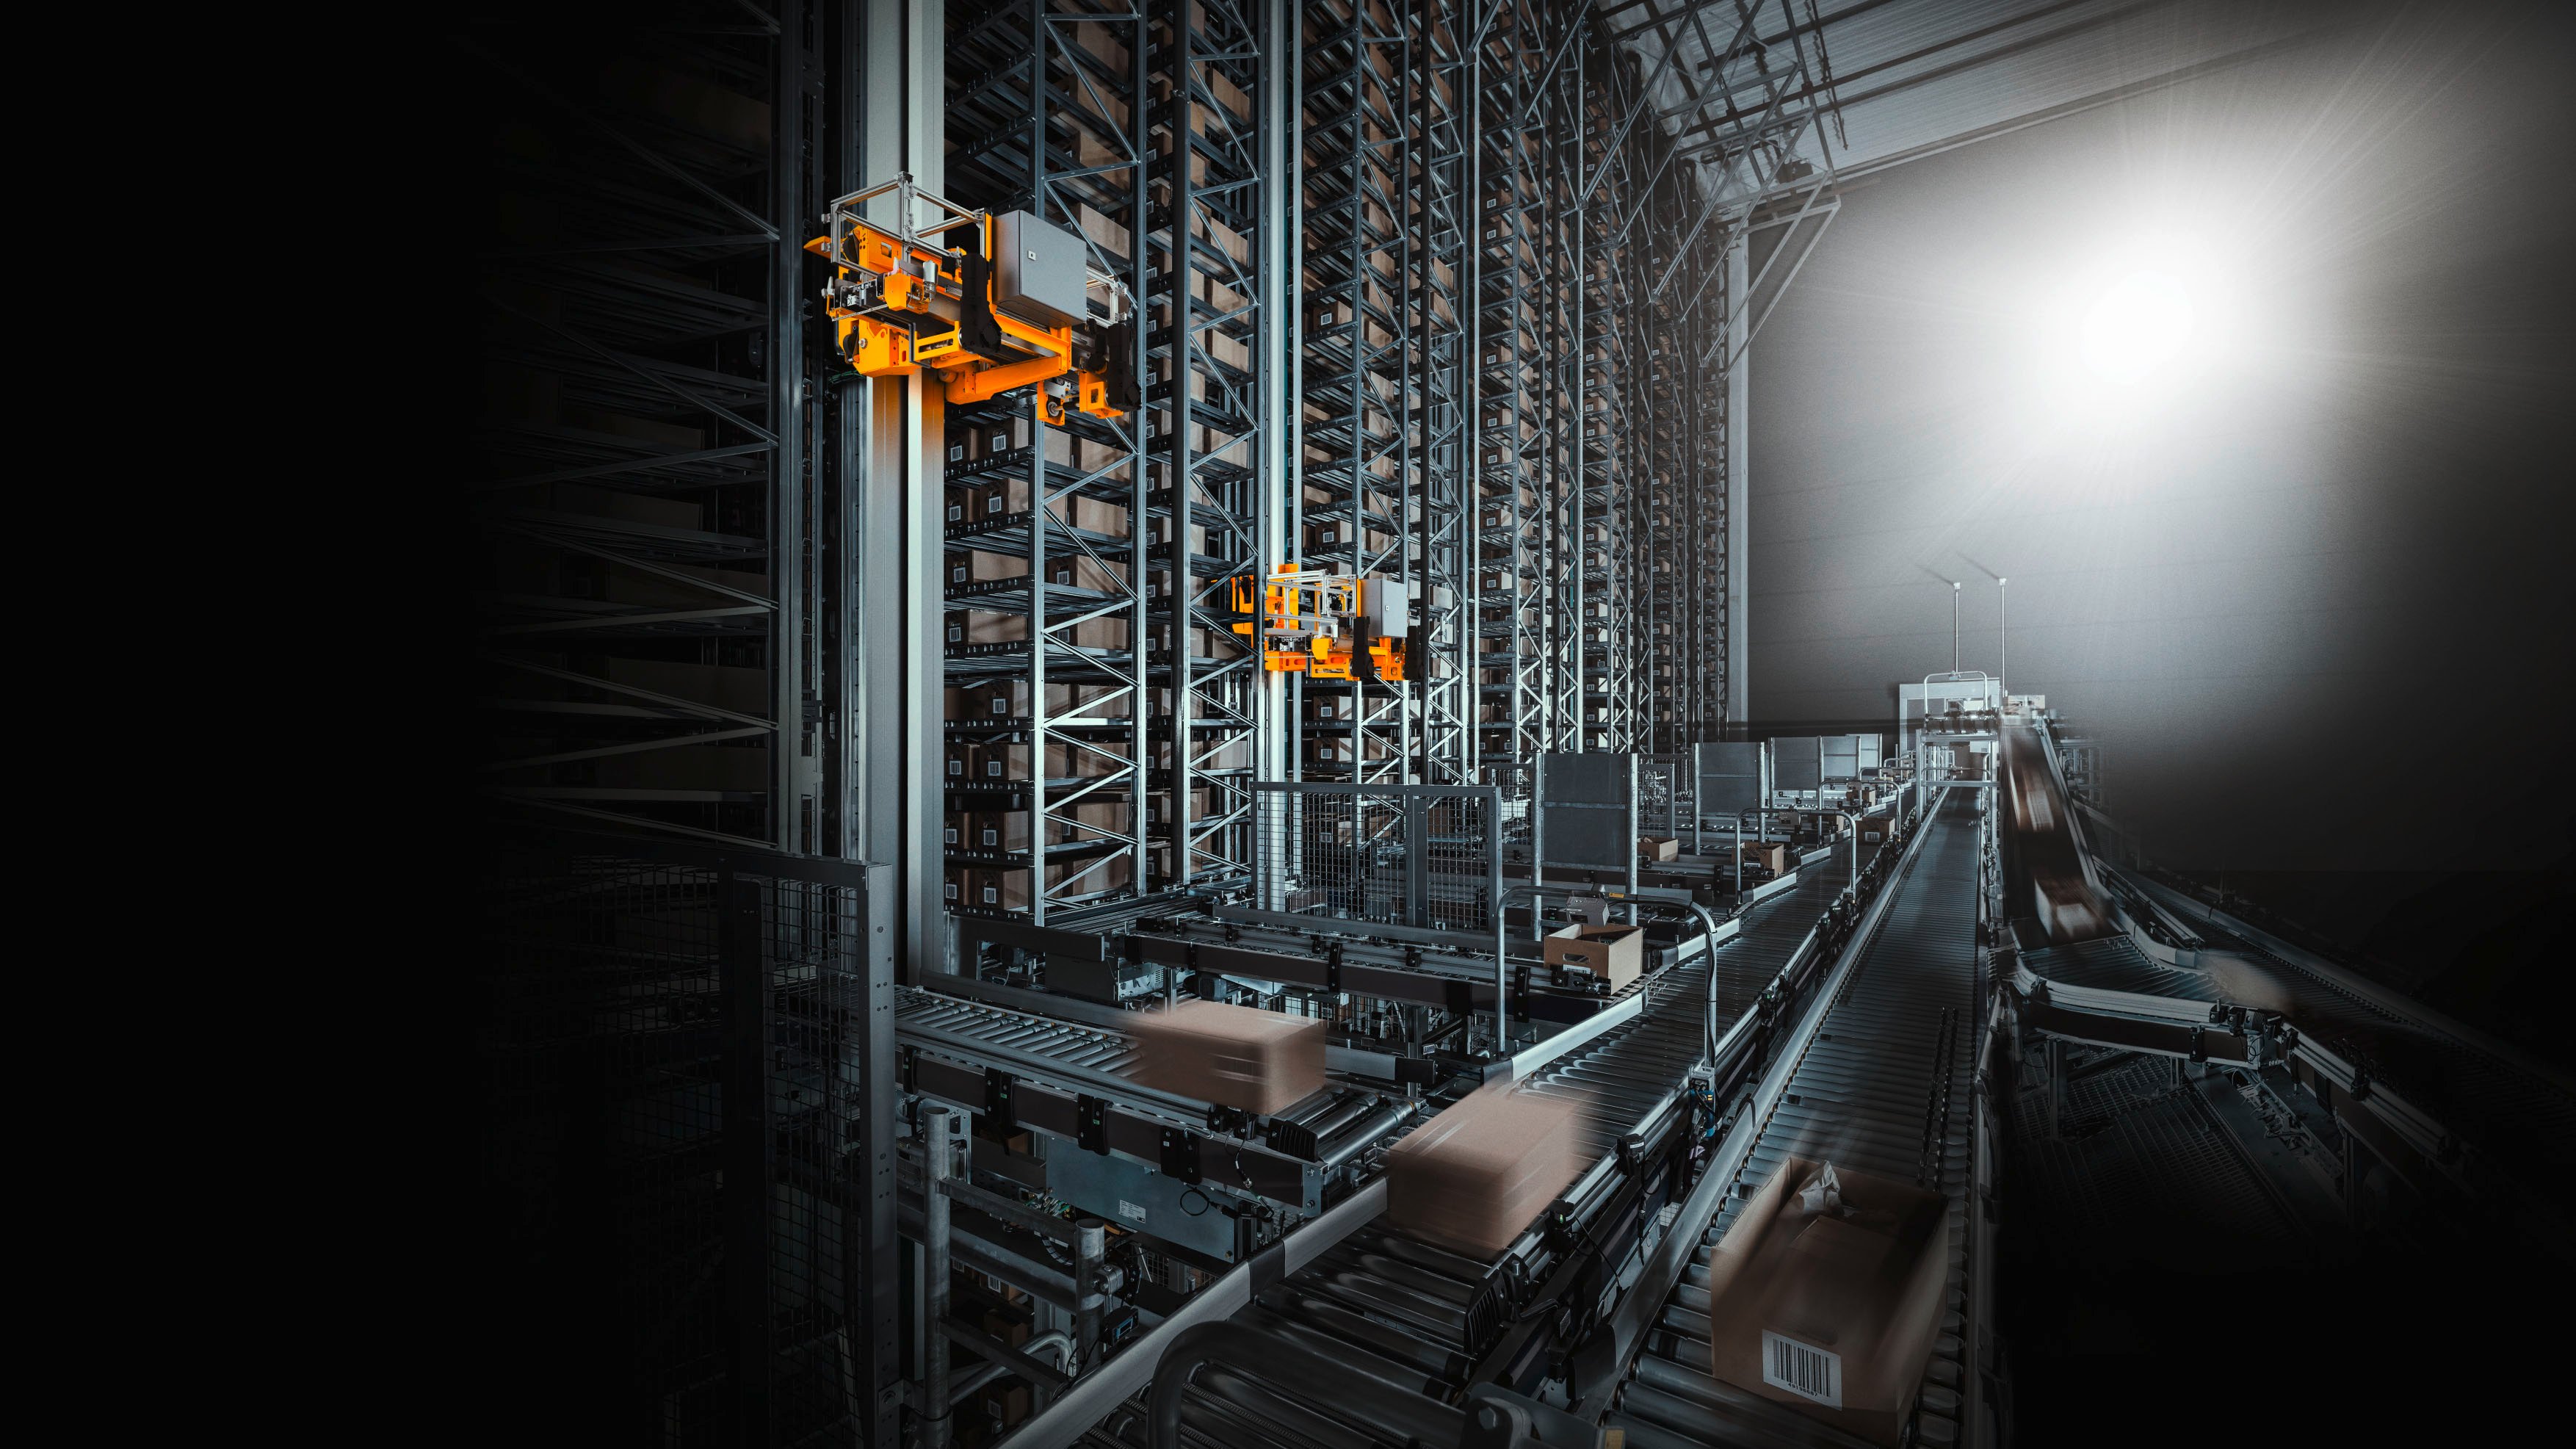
column 2269, row 598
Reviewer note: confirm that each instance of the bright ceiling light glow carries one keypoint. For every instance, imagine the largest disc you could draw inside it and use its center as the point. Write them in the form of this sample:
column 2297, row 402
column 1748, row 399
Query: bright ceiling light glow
column 2126, row 336
column 2138, row 326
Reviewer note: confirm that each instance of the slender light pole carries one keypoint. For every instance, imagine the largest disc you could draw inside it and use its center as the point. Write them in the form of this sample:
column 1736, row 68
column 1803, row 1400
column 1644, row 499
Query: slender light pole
column 1954, row 626
column 2003, row 650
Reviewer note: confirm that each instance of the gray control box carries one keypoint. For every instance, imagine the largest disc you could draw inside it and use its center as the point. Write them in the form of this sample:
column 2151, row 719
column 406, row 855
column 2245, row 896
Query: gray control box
column 1038, row 271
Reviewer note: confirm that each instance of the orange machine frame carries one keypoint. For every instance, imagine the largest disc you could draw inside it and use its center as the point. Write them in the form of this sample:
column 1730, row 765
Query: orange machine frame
column 1307, row 622
column 912, row 273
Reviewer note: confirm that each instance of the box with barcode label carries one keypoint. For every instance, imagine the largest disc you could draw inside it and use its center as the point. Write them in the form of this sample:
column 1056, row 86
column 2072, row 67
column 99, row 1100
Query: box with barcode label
column 1825, row 1295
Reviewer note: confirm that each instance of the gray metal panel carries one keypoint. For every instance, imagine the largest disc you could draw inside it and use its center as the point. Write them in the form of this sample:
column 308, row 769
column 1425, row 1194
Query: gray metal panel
column 1873, row 750
column 1590, row 806
column 1797, row 764
column 1138, row 1198
column 1841, row 755
column 1730, row 776
column 1037, row 270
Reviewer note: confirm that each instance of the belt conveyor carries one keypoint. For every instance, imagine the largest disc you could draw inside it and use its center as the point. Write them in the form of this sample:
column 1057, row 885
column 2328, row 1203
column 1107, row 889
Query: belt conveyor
column 1889, row 1054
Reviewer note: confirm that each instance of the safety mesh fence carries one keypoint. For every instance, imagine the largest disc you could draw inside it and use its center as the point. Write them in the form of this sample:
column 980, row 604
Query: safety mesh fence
column 1407, row 855
column 676, row 1132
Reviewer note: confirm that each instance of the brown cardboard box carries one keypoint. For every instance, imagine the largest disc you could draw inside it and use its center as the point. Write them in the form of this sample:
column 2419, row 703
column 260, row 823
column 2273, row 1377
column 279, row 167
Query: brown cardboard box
column 1656, row 847
column 1830, row 1309
column 1774, row 858
column 999, row 497
column 1614, row 953
column 1092, row 818
column 1255, row 1061
column 1007, row 887
column 1475, row 1177
column 974, row 566
column 997, row 830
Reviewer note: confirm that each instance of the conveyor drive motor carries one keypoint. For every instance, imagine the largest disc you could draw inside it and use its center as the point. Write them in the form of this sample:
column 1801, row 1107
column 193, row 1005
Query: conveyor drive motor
column 1009, row 303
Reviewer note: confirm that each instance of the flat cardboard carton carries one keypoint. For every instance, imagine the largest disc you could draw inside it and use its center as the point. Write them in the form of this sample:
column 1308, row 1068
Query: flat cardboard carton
column 1235, row 1056
column 1830, row 1303
column 1656, row 847
column 1774, row 858
column 1477, row 1176
column 1614, row 953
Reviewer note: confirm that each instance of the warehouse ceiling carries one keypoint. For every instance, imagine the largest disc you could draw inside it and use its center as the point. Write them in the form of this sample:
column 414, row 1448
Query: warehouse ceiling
column 1772, row 97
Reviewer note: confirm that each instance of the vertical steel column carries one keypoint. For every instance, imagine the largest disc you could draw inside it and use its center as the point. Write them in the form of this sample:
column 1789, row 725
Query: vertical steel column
column 903, row 526
column 1180, row 451
column 792, row 761
column 1282, row 351
column 1738, row 622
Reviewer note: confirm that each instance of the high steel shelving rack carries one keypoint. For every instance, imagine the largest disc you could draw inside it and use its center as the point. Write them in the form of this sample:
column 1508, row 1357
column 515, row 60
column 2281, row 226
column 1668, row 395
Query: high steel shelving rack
column 1047, row 673
column 1409, row 304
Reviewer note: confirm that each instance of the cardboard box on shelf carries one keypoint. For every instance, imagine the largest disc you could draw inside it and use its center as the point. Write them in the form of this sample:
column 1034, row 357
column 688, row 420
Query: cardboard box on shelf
column 1076, row 570
column 1657, row 847
column 1008, row 699
column 1091, row 818
column 975, row 566
column 1616, row 954
column 1110, row 632
column 1000, row 762
column 997, row 830
column 960, row 627
column 1826, row 1295
column 1073, row 760
column 1096, row 515
column 1111, row 234
column 1253, row 1061
column 1475, row 1177
column 999, row 496
column 959, row 762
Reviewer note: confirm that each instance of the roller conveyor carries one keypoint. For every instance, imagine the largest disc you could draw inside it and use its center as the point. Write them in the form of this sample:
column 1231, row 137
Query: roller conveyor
column 2473, row 1091
column 1626, row 1075
column 1867, row 1093
column 1403, row 1316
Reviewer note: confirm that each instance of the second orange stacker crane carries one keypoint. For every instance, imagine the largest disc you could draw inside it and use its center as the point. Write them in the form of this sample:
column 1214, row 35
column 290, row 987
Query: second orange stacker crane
column 1327, row 625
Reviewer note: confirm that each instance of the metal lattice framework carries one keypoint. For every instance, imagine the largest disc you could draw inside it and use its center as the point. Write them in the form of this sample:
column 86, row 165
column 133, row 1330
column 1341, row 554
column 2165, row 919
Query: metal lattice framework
column 1490, row 292
column 1046, row 567
column 643, row 494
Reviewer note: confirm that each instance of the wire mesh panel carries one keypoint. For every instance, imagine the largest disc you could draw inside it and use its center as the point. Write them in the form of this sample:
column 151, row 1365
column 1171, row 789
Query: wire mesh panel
column 684, row 1137
column 1421, row 857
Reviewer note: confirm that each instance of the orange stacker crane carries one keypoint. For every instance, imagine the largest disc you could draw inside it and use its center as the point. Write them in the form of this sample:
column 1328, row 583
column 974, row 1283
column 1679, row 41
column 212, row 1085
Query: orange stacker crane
column 1327, row 625
column 1009, row 303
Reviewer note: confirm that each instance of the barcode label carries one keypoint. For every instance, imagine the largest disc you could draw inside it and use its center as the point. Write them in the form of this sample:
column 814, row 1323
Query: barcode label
column 1804, row 1370
column 1130, row 1210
